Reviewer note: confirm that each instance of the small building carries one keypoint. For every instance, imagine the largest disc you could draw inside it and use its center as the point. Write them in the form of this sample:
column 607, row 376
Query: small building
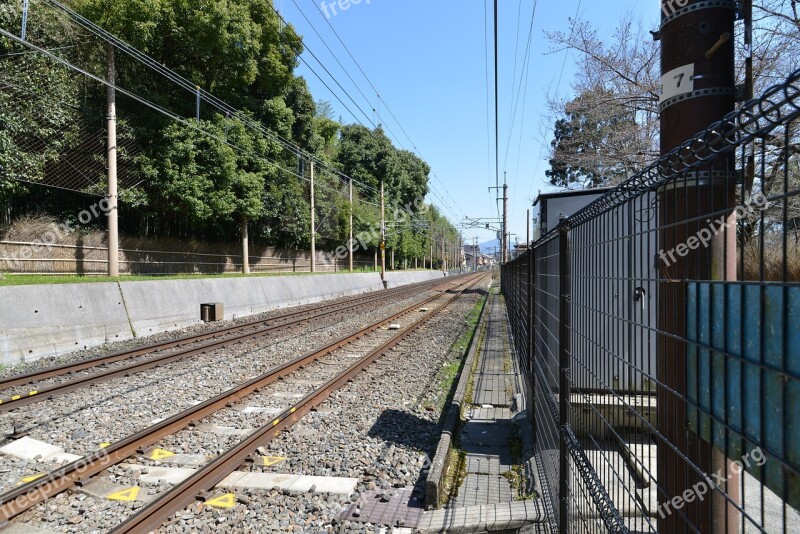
column 567, row 203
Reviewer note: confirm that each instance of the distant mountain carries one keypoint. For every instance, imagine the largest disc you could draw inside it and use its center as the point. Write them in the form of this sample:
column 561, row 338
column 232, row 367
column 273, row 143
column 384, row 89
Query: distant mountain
column 490, row 247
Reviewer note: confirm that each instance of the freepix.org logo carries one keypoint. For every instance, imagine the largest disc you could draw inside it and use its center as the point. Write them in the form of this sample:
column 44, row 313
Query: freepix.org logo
column 331, row 9
column 668, row 7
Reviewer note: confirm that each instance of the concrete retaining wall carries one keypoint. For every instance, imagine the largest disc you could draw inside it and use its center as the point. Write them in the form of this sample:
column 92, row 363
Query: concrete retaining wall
column 49, row 320
column 160, row 306
column 401, row 278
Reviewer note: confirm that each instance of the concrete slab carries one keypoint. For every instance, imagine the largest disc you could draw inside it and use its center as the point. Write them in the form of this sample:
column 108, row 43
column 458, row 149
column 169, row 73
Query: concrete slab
column 285, row 395
column 24, row 528
column 265, row 482
column 248, row 410
column 482, row 489
column 101, row 489
column 170, row 475
column 27, row 448
column 484, row 518
column 291, row 483
column 224, row 430
column 490, row 413
column 186, row 459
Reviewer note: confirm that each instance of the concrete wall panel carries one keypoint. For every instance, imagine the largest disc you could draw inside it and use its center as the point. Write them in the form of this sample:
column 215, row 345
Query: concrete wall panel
column 49, row 320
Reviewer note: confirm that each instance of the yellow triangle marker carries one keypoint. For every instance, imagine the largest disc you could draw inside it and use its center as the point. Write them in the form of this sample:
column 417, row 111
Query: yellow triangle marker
column 223, row 501
column 160, row 454
column 105, row 444
column 125, row 495
column 33, row 477
column 269, row 461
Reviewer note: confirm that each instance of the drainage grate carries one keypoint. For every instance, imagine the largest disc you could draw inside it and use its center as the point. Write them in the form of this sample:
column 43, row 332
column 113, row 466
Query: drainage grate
column 403, row 508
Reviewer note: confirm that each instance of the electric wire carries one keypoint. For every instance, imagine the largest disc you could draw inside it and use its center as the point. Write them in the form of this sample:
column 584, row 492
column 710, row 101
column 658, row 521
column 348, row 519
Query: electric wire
column 386, row 106
column 558, row 88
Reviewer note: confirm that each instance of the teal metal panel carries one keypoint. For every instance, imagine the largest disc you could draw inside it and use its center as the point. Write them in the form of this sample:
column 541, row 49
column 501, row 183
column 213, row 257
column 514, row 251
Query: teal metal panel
column 743, row 374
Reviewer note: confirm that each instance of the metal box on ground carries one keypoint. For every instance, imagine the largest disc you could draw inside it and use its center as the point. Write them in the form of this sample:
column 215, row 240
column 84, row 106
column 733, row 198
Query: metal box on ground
column 212, row 312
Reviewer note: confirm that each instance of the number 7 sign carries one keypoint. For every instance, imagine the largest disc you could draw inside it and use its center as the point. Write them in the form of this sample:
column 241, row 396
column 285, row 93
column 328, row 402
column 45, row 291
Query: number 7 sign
column 677, row 82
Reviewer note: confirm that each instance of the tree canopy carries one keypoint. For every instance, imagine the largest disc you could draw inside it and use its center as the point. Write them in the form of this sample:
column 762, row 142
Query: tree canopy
column 200, row 179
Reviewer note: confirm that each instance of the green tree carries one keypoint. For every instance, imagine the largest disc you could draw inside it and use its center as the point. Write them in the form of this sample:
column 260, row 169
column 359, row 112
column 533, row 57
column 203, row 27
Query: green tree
column 592, row 145
column 38, row 102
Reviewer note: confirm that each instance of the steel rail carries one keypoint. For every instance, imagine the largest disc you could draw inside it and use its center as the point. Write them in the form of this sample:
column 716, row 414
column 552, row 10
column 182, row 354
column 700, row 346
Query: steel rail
column 41, row 395
column 60, row 370
column 153, row 515
column 18, row 500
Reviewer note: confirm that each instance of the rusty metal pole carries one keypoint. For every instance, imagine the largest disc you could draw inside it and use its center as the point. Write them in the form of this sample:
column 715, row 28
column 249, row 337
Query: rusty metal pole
column 698, row 89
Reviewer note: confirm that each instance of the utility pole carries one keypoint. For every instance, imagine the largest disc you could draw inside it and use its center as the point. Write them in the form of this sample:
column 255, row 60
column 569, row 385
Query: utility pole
column 350, row 247
column 313, row 225
column 698, row 89
column 528, row 231
column 24, row 33
column 383, row 237
column 505, row 220
column 431, row 247
column 504, row 225
column 113, row 212
column 245, row 247
column 197, row 103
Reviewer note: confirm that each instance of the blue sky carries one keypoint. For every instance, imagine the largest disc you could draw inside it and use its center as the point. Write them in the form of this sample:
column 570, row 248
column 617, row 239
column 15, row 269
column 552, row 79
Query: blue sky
column 427, row 59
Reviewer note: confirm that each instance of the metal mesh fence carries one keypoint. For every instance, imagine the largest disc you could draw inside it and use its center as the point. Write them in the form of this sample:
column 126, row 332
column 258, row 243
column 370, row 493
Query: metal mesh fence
column 659, row 329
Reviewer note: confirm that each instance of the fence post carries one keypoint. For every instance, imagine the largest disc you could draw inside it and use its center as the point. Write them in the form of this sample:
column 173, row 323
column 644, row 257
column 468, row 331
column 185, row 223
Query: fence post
column 564, row 389
column 531, row 325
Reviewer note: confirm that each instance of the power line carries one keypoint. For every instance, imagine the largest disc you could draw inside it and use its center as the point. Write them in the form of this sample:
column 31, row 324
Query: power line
column 522, row 75
column 380, row 99
column 558, row 88
column 526, row 71
column 496, row 110
column 191, row 87
column 206, row 96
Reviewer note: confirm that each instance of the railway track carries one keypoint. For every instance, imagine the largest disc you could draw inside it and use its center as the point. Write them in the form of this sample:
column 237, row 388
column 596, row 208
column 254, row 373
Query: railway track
column 22, row 498
column 230, row 336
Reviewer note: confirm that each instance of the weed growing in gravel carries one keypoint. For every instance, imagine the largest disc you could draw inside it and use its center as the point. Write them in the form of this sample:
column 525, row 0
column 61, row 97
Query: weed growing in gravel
column 447, row 377
column 516, row 476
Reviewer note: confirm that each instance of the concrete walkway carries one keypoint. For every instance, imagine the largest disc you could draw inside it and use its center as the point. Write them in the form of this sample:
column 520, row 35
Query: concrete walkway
column 487, row 501
column 487, row 435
